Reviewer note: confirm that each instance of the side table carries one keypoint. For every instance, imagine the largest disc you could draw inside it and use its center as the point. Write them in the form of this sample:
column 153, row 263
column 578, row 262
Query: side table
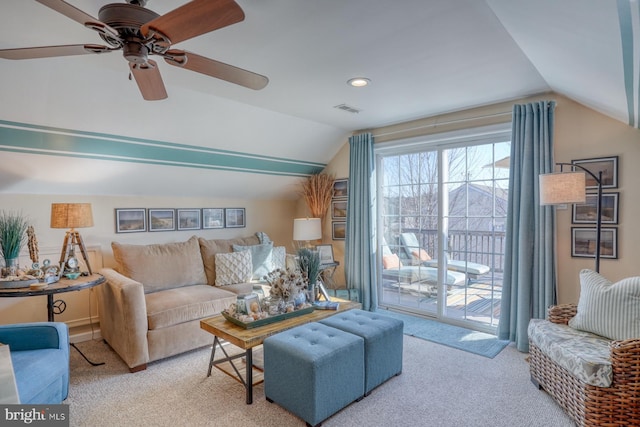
column 64, row 285
column 58, row 306
column 326, row 274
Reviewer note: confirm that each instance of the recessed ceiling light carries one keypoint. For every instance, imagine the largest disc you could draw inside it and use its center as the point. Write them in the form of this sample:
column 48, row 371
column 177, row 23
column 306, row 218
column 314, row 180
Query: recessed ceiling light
column 358, row 82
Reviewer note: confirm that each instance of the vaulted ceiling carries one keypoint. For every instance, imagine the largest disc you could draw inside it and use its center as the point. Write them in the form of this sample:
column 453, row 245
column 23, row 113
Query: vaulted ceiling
column 78, row 125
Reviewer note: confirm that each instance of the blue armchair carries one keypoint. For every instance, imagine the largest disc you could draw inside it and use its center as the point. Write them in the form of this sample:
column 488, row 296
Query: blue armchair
column 40, row 358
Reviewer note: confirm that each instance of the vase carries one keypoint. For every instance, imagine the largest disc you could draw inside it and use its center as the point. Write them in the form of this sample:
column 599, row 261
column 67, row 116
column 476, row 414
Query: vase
column 11, row 267
column 311, row 294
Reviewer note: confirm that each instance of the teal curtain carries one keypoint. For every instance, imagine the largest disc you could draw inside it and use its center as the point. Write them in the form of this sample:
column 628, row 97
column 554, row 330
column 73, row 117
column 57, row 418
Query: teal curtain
column 529, row 271
column 359, row 253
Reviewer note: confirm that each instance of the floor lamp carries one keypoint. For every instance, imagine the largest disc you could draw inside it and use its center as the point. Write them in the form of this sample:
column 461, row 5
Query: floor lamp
column 570, row 187
column 72, row 216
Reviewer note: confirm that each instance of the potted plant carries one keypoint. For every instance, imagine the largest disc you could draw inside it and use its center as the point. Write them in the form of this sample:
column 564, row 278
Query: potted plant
column 309, row 264
column 13, row 228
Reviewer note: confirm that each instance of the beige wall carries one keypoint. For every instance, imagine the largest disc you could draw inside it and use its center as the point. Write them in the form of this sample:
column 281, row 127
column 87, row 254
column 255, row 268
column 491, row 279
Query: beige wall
column 339, row 167
column 273, row 217
column 579, row 133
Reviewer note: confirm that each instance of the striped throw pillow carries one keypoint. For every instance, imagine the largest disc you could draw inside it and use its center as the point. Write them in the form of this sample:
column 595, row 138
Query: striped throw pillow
column 611, row 310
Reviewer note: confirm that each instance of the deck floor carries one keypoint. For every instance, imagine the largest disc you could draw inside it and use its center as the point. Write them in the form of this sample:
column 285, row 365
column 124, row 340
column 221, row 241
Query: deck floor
column 478, row 301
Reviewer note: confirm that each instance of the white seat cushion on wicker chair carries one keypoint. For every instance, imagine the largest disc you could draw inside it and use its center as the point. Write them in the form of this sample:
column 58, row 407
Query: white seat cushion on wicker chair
column 583, row 354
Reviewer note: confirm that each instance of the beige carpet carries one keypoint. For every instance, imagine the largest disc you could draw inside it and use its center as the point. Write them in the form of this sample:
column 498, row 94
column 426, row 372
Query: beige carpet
column 439, row 386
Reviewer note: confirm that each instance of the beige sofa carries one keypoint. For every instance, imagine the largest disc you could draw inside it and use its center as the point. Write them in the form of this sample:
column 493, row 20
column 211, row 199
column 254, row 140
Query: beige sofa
column 152, row 302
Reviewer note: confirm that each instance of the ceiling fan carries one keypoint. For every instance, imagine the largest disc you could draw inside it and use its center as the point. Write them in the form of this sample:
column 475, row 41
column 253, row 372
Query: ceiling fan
column 140, row 32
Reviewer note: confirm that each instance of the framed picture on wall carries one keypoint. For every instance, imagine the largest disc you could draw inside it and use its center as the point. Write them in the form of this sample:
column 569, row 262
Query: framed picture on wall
column 212, row 218
column 586, row 213
column 131, row 220
column 234, row 218
column 162, row 219
column 339, row 209
column 608, row 166
column 338, row 230
column 583, row 242
column 340, row 188
column 188, row 219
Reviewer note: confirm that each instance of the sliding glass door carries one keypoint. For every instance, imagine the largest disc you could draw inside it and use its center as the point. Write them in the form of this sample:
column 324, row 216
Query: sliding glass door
column 441, row 217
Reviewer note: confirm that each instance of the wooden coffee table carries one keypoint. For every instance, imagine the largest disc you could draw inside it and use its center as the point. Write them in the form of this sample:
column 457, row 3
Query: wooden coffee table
column 247, row 339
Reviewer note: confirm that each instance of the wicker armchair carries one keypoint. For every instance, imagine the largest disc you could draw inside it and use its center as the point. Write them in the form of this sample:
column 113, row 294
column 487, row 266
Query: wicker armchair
column 587, row 405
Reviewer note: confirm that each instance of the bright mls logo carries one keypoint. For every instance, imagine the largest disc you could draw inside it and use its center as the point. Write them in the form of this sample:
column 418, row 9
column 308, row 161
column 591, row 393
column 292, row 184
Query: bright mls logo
column 35, row 415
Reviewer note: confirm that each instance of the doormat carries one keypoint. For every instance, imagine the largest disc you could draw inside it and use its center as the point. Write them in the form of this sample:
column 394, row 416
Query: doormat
column 480, row 343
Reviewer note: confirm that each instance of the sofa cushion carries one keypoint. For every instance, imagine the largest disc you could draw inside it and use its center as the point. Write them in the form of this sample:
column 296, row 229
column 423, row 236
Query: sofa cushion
column 583, row 354
column 209, row 249
column 179, row 305
column 161, row 266
column 234, row 267
column 608, row 309
column 261, row 259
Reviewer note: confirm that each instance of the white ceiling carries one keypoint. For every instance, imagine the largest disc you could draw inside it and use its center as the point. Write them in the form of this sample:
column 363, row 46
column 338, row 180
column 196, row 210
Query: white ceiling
column 424, row 57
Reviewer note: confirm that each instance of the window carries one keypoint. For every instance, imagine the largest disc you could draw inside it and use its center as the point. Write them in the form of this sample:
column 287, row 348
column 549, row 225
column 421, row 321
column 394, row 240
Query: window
column 442, row 205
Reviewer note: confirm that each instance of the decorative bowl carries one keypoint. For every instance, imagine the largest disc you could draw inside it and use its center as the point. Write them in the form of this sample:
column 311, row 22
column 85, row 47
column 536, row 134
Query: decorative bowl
column 72, row 276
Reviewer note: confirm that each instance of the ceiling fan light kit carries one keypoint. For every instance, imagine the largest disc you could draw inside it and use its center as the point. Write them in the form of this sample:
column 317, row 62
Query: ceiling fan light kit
column 140, row 32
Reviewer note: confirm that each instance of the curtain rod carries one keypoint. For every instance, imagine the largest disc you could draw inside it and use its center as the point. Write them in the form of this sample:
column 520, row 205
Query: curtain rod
column 431, row 125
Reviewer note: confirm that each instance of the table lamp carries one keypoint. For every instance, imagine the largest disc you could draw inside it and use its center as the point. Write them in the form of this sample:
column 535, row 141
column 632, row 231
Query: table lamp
column 72, row 216
column 570, row 187
column 306, row 229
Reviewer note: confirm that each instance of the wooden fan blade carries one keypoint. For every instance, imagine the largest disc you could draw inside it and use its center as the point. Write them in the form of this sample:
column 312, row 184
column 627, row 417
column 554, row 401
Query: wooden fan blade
column 195, row 18
column 149, row 80
column 51, row 51
column 216, row 69
column 67, row 10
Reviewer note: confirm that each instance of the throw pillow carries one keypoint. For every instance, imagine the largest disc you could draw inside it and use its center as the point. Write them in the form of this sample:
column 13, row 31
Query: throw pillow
column 279, row 257
column 155, row 265
column 391, row 261
column 421, row 254
column 261, row 257
column 611, row 310
column 233, row 268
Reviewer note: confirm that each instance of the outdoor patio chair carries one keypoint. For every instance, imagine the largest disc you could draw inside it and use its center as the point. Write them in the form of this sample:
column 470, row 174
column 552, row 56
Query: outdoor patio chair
column 415, row 278
column 416, row 254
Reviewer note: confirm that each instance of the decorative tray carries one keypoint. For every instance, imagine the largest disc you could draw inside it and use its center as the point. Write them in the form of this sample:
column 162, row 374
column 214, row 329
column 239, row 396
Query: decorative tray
column 16, row 284
column 267, row 320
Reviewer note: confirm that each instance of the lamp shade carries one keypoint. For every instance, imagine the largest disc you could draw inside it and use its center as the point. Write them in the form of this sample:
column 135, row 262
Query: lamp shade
column 562, row 187
column 307, row 229
column 71, row 215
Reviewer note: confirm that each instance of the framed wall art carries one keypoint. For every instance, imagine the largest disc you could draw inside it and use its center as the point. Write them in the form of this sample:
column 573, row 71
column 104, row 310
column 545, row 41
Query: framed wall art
column 162, row 219
column 585, row 213
column 339, row 209
column 131, row 220
column 234, row 218
column 608, row 166
column 338, row 230
column 583, row 242
column 188, row 219
column 212, row 218
column 340, row 188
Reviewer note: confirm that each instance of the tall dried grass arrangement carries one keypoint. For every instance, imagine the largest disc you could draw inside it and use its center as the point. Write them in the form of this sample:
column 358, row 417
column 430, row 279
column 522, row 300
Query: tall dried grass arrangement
column 317, row 191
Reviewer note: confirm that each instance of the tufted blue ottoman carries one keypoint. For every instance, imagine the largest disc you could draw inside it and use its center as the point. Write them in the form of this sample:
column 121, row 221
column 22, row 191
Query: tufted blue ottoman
column 313, row 370
column 382, row 343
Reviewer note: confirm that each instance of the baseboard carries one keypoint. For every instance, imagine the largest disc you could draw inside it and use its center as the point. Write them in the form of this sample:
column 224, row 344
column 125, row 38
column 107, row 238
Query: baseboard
column 84, row 333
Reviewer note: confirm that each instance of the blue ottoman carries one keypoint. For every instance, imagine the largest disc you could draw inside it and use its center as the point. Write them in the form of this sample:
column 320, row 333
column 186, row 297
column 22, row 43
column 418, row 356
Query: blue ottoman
column 382, row 343
column 313, row 370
